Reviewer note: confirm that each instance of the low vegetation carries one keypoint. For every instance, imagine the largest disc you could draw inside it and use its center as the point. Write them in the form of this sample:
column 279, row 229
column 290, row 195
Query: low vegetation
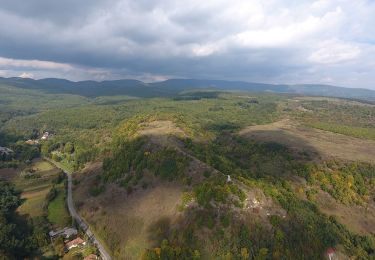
column 343, row 117
column 57, row 210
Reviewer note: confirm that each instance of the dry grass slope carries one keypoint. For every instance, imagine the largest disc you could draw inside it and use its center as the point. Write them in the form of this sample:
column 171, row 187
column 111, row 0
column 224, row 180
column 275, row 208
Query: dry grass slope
column 321, row 144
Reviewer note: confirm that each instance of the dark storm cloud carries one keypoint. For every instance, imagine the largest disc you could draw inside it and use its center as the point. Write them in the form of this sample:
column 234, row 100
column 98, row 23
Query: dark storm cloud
column 60, row 12
column 289, row 41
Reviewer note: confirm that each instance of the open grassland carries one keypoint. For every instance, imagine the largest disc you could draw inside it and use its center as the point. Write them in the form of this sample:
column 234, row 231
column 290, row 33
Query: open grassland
column 319, row 144
column 123, row 221
column 359, row 219
column 34, row 202
column 359, row 132
column 339, row 116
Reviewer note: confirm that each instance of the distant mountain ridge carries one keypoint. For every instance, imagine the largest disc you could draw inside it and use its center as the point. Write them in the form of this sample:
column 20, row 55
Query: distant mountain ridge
column 172, row 87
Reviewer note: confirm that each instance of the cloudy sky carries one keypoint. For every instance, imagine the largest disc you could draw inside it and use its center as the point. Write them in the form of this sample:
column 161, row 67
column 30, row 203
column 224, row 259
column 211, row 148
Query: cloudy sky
column 274, row 41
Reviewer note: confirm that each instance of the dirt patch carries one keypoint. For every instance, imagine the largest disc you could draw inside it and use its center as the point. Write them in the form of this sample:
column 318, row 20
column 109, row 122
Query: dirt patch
column 161, row 127
column 260, row 207
column 161, row 132
column 321, row 144
column 8, row 174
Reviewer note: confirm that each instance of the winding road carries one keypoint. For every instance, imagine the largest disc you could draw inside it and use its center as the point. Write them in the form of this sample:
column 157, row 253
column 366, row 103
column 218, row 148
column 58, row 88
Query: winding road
column 103, row 253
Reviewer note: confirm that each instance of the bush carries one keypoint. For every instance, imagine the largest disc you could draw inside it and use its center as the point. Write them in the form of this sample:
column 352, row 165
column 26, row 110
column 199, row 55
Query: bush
column 51, row 195
column 96, row 190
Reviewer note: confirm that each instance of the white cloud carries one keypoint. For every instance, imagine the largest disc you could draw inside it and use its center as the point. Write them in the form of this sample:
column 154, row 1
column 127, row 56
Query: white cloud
column 334, row 51
column 3, row 73
column 26, row 75
column 37, row 64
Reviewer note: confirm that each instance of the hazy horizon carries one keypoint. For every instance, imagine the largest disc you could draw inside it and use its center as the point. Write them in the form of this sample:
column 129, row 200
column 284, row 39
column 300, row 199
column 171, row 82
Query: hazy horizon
column 162, row 80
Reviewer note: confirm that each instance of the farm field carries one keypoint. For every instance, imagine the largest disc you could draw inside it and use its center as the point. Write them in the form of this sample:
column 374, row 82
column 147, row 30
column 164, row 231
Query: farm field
column 34, row 191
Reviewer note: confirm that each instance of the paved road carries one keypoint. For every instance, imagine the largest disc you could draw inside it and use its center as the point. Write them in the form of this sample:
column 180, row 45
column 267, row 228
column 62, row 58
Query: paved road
column 104, row 254
column 83, row 225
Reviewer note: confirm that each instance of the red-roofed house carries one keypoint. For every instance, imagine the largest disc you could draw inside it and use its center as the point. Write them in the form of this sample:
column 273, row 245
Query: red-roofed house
column 330, row 253
column 75, row 242
column 91, row 257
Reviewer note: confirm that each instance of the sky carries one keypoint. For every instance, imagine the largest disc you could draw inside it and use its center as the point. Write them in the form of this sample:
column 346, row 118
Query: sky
column 273, row 41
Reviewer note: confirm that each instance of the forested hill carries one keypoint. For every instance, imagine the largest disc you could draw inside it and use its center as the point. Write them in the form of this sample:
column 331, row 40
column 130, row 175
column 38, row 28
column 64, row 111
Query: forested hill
column 172, row 87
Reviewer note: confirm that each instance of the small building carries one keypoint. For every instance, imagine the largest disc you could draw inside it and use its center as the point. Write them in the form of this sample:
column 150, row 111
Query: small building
column 5, row 150
column 91, row 257
column 6, row 153
column 66, row 232
column 45, row 136
column 330, row 253
column 75, row 243
column 32, row 142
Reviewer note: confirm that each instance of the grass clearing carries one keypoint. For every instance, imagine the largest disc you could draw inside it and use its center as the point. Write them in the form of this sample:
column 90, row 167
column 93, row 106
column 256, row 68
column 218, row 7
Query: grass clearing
column 359, row 132
column 34, row 203
column 322, row 144
column 35, row 190
column 123, row 221
column 58, row 213
column 358, row 219
column 43, row 166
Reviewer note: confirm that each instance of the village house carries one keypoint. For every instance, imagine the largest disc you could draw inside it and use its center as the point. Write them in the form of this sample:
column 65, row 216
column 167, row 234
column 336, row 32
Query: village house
column 75, row 243
column 31, row 142
column 91, row 257
column 45, row 136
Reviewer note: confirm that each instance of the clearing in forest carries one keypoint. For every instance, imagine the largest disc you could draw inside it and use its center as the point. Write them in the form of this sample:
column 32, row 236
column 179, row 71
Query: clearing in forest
column 321, row 144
